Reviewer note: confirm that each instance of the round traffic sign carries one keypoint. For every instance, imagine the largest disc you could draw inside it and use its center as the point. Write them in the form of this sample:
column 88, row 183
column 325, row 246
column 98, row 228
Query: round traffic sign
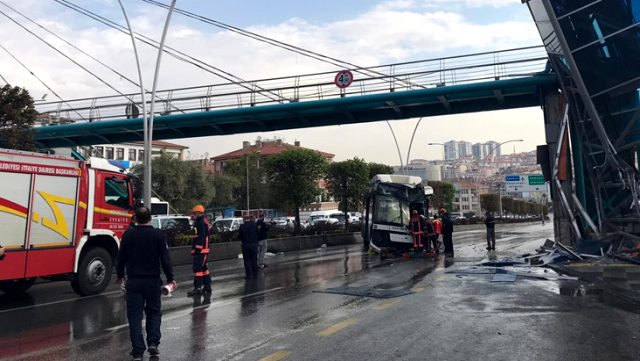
column 343, row 79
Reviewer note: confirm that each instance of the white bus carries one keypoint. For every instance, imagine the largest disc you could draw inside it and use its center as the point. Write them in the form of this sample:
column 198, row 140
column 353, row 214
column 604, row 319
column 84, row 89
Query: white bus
column 388, row 203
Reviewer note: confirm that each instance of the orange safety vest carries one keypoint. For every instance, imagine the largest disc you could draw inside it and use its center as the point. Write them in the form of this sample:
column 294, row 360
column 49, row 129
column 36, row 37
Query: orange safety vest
column 437, row 226
column 203, row 249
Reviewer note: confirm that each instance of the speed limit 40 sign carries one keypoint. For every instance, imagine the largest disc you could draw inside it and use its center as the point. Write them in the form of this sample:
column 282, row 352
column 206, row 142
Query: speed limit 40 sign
column 343, row 79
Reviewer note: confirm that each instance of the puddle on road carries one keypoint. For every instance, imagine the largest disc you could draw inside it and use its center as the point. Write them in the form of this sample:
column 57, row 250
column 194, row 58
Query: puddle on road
column 577, row 290
column 618, row 298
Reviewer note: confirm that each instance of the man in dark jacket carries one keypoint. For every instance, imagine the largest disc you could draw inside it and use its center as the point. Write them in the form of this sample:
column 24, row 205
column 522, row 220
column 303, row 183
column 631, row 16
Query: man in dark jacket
column 447, row 232
column 143, row 251
column 249, row 237
column 490, row 222
column 263, row 229
column 200, row 252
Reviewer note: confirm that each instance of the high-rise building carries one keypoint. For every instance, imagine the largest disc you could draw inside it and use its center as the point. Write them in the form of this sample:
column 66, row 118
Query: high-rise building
column 451, row 150
column 478, row 150
column 493, row 148
column 464, row 149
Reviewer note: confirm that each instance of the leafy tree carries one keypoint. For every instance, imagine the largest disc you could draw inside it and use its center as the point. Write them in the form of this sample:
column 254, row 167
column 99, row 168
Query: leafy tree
column 182, row 184
column 378, row 168
column 17, row 116
column 508, row 205
column 490, row 202
column 224, row 186
column 293, row 175
column 347, row 181
column 443, row 194
column 258, row 188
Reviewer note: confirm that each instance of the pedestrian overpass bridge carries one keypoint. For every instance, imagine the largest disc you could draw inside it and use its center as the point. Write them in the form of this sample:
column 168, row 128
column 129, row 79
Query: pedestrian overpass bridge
column 504, row 79
column 591, row 108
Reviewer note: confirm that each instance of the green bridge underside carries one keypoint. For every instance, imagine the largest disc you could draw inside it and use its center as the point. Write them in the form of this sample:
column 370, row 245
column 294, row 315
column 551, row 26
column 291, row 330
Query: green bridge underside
column 454, row 99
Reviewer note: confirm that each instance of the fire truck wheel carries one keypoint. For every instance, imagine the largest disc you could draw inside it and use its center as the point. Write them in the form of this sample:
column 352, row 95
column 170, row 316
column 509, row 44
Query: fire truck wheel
column 94, row 272
column 16, row 287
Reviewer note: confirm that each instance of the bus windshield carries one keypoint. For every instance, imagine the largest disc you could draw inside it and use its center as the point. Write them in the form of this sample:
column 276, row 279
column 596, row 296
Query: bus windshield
column 389, row 209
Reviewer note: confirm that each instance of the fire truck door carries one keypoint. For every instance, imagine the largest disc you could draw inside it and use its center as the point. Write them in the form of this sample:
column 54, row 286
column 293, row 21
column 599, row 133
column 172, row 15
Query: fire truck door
column 52, row 229
column 112, row 208
column 14, row 212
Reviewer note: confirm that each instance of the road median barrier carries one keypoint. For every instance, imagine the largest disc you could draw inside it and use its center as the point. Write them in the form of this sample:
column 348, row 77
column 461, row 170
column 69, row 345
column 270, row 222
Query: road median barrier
column 230, row 250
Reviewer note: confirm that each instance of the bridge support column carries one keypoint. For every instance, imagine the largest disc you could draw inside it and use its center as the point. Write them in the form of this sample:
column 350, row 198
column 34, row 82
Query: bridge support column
column 553, row 109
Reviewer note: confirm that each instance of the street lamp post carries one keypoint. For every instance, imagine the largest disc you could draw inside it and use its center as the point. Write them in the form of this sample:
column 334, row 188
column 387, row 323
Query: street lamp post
column 148, row 123
column 247, row 162
column 500, row 173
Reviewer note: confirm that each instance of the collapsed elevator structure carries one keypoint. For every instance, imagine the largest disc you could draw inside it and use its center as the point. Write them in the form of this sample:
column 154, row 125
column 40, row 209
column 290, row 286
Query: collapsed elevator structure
column 592, row 120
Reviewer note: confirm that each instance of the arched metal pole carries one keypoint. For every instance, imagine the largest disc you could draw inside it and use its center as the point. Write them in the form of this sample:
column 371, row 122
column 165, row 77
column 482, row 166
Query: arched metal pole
column 147, row 195
column 411, row 142
column 149, row 137
column 397, row 147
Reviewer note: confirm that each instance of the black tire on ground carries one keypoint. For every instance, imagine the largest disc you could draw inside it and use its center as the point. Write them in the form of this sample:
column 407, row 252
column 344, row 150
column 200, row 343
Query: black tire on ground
column 94, row 272
column 16, row 287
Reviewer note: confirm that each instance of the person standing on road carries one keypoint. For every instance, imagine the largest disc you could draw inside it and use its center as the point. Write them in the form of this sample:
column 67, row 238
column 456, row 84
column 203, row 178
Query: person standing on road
column 200, row 252
column 417, row 228
column 447, row 232
column 143, row 251
column 437, row 228
column 490, row 222
column 249, row 238
column 431, row 237
column 263, row 229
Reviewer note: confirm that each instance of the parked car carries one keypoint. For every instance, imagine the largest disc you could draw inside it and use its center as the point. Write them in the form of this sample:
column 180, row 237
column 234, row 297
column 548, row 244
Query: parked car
column 327, row 218
column 227, row 224
column 284, row 222
column 173, row 225
column 355, row 217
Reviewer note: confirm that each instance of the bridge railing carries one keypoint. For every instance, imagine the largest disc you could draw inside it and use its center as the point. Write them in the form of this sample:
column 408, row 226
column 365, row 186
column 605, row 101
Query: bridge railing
column 456, row 70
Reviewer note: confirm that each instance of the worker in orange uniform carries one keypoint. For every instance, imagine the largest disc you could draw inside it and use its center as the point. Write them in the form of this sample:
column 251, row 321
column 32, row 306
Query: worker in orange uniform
column 200, row 251
column 416, row 225
column 437, row 228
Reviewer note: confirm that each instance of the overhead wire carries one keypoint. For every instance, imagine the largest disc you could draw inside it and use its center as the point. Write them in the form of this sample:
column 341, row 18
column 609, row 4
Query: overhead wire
column 276, row 43
column 76, row 48
column 177, row 54
column 66, row 56
column 293, row 48
column 38, row 78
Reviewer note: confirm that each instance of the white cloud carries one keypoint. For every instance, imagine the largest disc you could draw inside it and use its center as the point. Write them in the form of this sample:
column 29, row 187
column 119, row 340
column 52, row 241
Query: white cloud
column 397, row 30
column 457, row 4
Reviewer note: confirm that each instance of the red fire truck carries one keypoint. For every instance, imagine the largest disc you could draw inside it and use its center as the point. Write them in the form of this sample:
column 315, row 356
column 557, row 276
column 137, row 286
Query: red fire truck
column 61, row 216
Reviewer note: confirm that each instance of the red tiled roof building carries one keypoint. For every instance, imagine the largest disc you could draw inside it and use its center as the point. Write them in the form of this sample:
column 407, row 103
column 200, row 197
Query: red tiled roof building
column 265, row 149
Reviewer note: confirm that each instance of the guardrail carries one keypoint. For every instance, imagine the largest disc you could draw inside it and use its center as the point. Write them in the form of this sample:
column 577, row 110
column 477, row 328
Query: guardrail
column 465, row 69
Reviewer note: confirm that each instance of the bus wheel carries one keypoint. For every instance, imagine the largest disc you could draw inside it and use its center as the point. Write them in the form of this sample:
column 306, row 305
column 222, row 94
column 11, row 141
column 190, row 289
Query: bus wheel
column 16, row 287
column 94, row 272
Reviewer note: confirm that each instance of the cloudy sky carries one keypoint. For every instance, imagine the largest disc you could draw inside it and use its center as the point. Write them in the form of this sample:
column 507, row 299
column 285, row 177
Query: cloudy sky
column 359, row 31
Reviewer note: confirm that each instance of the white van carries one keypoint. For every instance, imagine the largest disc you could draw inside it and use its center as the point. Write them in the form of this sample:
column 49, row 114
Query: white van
column 326, row 217
column 227, row 224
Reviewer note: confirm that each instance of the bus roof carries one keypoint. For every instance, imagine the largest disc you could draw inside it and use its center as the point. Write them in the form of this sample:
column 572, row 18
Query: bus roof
column 407, row 180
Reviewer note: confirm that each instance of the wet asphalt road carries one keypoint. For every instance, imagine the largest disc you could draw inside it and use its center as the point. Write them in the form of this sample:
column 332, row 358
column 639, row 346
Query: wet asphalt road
column 285, row 315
